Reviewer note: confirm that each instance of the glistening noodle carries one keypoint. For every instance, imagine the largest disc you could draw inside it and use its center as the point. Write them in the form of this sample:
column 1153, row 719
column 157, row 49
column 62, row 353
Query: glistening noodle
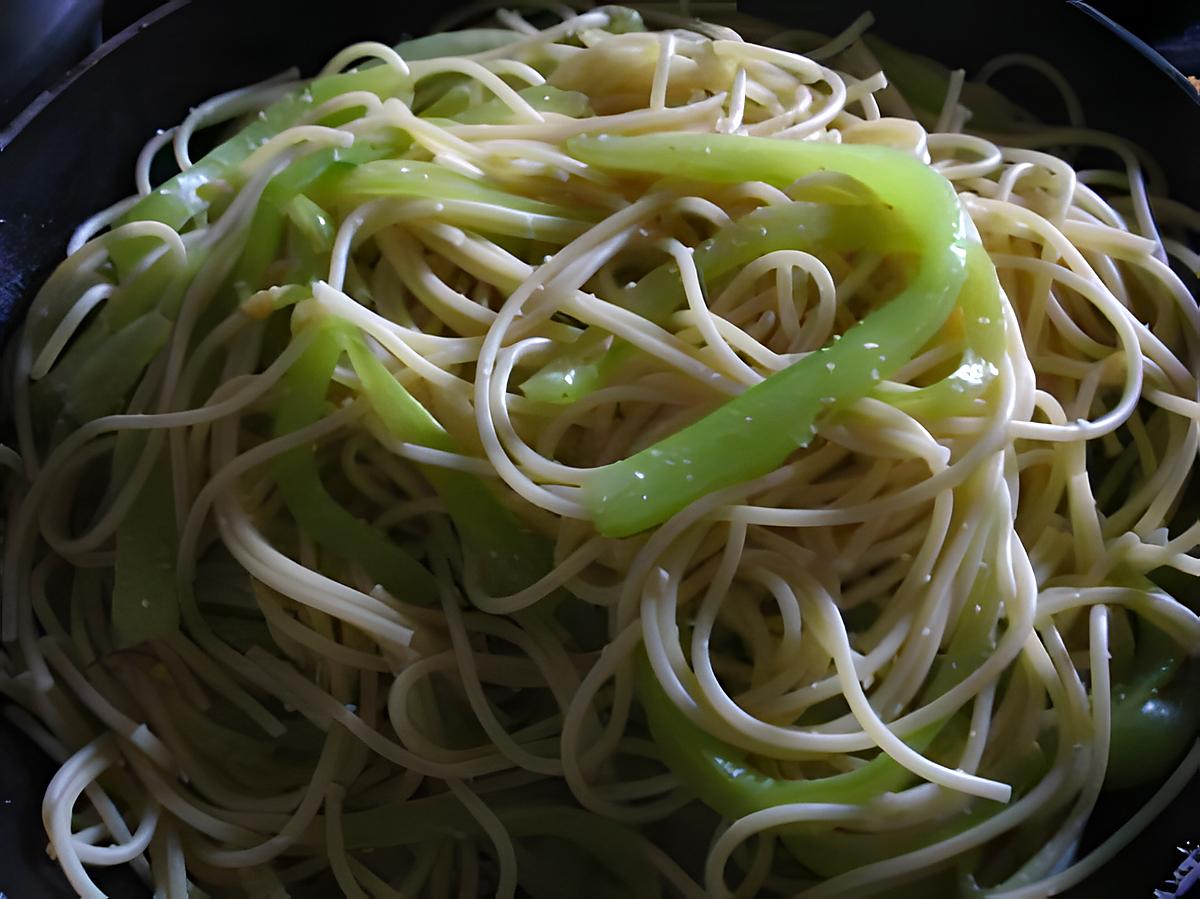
column 601, row 461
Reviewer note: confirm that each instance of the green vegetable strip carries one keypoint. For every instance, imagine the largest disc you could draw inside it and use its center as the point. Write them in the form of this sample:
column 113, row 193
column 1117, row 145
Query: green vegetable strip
column 466, row 42
column 412, row 821
column 413, row 178
column 82, row 370
column 161, row 286
column 721, row 775
column 985, row 335
column 145, row 604
column 318, row 514
column 445, row 96
column 142, row 292
column 311, row 221
column 834, row 852
column 113, row 368
column 795, row 226
column 177, row 200
column 265, row 234
column 101, row 366
column 924, row 83
column 467, row 202
column 309, row 242
column 542, row 97
column 261, row 248
column 447, row 93
column 580, row 369
column 460, row 103
column 513, row 557
column 831, row 852
column 1155, row 712
column 755, row 432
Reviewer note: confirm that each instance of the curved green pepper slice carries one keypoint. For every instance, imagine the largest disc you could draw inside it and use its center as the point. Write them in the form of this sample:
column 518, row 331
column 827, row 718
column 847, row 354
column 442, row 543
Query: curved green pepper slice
column 1155, row 711
column 755, row 432
column 318, row 514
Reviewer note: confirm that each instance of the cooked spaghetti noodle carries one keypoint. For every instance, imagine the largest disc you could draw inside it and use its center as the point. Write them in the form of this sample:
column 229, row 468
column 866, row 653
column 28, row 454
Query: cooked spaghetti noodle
column 602, row 461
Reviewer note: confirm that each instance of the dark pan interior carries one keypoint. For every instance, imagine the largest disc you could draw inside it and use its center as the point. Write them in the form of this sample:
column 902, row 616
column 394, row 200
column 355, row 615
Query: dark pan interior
column 73, row 154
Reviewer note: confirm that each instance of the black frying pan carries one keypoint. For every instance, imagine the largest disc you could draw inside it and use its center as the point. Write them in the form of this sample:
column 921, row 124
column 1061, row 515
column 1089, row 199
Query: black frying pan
column 72, row 153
